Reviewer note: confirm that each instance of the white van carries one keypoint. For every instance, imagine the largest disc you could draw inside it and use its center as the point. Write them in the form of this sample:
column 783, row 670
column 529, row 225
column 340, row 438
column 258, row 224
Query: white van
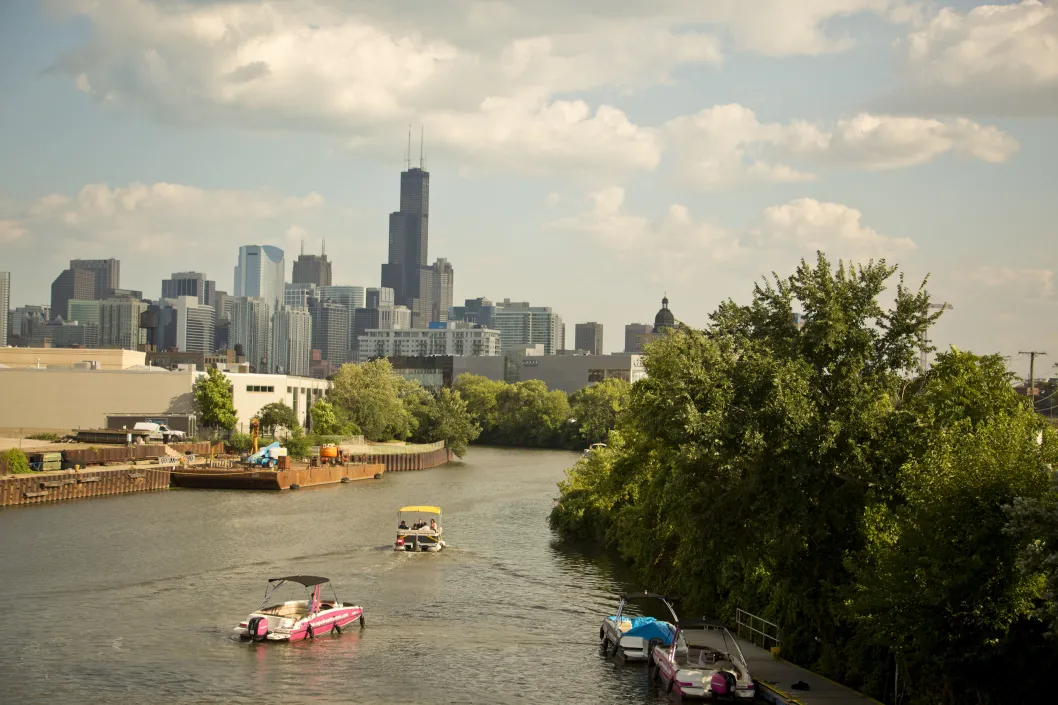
column 160, row 432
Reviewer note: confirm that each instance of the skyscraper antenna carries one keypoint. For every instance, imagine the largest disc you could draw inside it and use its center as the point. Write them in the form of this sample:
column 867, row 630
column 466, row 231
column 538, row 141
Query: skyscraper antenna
column 422, row 138
column 407, row 159
column 323, row 250
column 302, row 245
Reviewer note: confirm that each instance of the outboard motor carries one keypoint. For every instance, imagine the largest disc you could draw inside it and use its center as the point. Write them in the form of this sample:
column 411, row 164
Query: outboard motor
column 257, row 628
column 723, row 683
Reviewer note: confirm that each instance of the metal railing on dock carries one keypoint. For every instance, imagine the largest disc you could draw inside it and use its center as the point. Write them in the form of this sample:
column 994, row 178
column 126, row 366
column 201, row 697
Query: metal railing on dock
column 757, row 630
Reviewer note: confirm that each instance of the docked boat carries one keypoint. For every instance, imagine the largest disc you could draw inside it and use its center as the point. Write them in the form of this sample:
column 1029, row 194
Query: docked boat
column 704, row 662
column 632, row 637
column 592, row 448
column 295, row 620
column 415, row 533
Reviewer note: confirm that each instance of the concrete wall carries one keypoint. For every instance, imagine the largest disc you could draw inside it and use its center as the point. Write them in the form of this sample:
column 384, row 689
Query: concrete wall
column 63, row 400
column 109, row 359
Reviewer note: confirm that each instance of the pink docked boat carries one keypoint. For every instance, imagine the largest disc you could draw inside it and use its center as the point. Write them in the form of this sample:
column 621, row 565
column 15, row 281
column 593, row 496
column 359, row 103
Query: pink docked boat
column 295, row 620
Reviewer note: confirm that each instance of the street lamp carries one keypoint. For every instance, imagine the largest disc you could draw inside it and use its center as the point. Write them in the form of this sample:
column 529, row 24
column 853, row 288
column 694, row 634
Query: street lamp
column 925, row 334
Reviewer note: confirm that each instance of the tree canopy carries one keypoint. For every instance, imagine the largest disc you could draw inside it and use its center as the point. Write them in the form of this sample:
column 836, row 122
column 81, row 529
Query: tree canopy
column 370, row 394
column 214, row 401
column 810, row 475
column 275, row 415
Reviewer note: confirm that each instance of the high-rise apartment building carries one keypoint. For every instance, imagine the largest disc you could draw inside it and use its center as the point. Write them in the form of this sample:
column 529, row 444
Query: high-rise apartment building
column 312, row 269
column 409, row 240
column 477, row 311
column 636, row 336
column 377, row 297
column 119, row 323
column 260, row 274
column 190, row 284
column 330, row 332
column 460, row 341
column 441, row 281
column 194, row 324
column 297, row 295
column 522, row 325
column 107, row 273
column 251, row 328
column 588, row 337
column 291, row 342
column 71, row 284
column 5, row 306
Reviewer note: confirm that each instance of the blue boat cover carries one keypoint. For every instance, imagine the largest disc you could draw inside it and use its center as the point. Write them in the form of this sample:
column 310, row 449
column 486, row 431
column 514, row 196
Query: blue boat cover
column 648, row 628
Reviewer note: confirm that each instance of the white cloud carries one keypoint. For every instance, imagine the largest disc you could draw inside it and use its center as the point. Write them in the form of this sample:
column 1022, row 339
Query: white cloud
column 490, row 79
column 1026, row 284
column 163, row 219
column 675, row 244
column 809, row 225
column 727, row 144
column 997, row 59
column 678, row 244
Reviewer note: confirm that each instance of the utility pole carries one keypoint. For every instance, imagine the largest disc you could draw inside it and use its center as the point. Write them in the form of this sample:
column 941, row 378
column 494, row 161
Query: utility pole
column 1031, row 387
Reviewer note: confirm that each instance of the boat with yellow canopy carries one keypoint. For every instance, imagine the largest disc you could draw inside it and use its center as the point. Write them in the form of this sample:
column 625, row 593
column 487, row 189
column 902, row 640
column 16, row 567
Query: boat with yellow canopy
column 419, row 529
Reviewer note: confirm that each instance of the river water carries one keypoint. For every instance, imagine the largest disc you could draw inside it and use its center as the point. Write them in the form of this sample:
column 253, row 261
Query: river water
column 132, row 598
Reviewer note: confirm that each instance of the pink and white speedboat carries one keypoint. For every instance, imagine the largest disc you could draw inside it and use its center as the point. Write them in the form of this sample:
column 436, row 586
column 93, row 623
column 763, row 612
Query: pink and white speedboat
column 295, row 620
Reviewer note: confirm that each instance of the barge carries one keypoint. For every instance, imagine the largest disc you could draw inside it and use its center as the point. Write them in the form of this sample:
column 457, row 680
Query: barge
column 241, row 478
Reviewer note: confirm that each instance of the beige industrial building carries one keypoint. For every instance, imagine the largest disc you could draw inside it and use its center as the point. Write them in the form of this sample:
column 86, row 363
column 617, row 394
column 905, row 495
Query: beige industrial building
column 63, row 399
column 95, row 358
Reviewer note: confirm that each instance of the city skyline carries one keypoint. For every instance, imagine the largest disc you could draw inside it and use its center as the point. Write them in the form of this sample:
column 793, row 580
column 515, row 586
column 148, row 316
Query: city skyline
column 583, row 161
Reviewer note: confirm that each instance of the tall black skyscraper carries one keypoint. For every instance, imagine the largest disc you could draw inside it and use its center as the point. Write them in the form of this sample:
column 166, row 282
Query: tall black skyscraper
column 409, row 239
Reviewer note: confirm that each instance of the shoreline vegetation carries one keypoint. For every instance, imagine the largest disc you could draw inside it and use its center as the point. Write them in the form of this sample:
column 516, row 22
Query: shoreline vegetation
column 372, row 401
column 884, row 518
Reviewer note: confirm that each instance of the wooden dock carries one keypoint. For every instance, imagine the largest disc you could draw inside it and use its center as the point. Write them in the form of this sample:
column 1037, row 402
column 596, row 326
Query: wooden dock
column 775, row 679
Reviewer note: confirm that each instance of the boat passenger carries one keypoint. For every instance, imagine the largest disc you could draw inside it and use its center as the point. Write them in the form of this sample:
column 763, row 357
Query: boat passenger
column 433, row 525
column 403, row 525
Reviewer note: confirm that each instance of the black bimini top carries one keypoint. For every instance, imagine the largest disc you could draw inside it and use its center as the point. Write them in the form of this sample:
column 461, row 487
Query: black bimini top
column 306, row 580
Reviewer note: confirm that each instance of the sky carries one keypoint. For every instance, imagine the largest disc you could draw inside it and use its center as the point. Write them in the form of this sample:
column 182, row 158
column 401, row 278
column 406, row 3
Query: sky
column 588, row 155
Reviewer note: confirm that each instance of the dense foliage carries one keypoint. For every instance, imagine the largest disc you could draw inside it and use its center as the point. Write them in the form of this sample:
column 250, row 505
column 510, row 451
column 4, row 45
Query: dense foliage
column 808, row 475
column 370, row 398
column 277, row 415
column 527, row 414
column 14, row 461
column 214, row 402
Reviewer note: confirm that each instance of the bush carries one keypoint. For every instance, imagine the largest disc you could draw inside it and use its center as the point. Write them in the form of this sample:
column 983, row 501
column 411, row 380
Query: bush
column 297, row 444
column 53, row 437
column 239, row 443
column 16, row 461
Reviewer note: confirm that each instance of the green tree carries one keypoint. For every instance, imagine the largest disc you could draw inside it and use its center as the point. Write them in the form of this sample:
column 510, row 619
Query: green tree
column 297, row 443
column 275, row 415
column 446, row 419
column 213, row 401
column 809, row 475
column 480, row 395
column 597, row 407
column 527, row 414
column 15, row 461
column 370, row 393
column 328, row 420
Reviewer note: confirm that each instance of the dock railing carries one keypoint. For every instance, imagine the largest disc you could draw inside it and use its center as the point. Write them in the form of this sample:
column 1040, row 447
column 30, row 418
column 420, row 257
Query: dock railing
column 758, row 630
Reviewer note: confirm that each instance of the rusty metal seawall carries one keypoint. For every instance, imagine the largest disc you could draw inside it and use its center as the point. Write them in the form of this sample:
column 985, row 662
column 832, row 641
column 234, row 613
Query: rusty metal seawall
column 410, row 461
column 36, row 488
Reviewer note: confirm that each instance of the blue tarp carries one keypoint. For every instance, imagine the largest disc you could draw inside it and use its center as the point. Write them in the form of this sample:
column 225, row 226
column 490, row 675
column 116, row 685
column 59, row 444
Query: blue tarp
column 648, row 628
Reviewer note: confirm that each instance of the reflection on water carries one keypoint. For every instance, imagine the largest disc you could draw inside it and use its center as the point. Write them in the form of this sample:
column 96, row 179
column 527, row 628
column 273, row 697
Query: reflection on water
column 133, row 598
